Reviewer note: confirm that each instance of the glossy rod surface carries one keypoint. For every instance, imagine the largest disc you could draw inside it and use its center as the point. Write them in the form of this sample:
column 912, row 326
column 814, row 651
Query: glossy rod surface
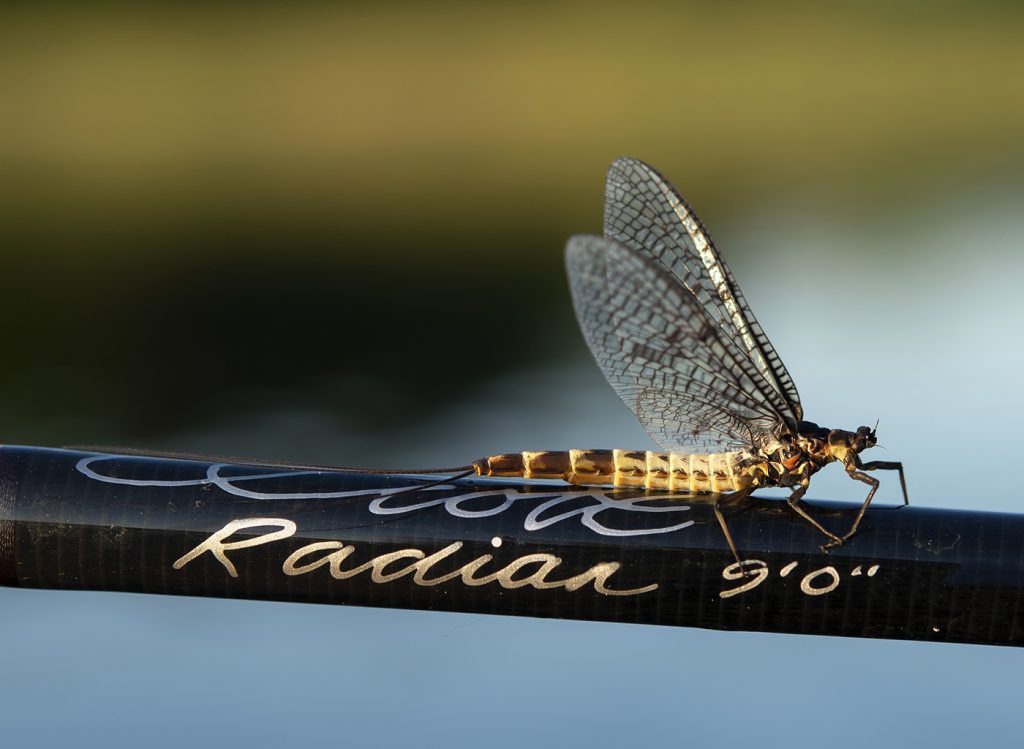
column 90, row 521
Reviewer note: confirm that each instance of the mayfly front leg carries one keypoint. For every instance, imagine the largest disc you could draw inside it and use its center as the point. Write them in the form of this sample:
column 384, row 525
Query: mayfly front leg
column 852, row 470
column 887, row 465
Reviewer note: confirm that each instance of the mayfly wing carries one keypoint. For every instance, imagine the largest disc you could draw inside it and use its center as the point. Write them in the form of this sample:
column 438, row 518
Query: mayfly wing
column 689, row 382
column 646, row 213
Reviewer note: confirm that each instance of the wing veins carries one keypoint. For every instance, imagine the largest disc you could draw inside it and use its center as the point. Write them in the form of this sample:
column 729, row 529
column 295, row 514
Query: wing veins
column 655, row 228
column 617, row 293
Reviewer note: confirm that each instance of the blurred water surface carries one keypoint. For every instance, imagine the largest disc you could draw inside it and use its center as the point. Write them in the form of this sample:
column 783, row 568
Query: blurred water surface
column 334, row 234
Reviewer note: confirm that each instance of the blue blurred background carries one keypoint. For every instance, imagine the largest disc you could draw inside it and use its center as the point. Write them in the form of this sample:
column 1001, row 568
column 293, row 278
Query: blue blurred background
column 333, row 233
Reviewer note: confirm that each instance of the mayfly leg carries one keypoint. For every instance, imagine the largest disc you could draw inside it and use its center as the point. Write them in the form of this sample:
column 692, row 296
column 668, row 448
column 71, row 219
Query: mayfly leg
column 732, row 498
column 873, row 483
column 887, row 465
column 794, row 502
column 852, row 471
column 717, row 501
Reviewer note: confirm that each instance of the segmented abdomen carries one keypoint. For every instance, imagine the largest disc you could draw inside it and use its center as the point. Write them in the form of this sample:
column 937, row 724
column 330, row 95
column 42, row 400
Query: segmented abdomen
column 712, row 472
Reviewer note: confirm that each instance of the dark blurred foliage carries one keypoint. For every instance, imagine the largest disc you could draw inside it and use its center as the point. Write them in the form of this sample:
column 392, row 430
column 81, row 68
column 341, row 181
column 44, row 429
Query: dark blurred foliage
column 209, row 210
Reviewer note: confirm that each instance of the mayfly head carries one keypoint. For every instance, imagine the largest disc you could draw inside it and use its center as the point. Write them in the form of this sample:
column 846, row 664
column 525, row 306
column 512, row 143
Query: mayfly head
column 864, row 439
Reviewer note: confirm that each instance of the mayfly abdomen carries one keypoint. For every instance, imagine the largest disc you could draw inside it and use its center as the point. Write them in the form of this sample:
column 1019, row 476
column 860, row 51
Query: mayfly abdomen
column 711, row 472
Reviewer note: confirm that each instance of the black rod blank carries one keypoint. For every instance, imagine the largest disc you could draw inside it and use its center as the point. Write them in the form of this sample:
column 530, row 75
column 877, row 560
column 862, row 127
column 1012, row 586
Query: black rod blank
column 92, row 521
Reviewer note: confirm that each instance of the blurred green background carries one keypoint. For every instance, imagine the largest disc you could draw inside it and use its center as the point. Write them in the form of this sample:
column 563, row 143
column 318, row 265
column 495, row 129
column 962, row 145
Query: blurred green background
column 211, row 212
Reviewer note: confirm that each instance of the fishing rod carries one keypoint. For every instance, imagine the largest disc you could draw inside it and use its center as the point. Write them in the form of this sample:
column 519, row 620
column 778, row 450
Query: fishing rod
column 84, row 520
column 673, row 537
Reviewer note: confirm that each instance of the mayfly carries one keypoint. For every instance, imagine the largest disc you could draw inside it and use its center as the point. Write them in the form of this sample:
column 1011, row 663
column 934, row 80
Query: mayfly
column 671, row 332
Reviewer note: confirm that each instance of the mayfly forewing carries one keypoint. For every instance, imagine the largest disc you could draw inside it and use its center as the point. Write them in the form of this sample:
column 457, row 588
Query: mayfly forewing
column 688, row 382
column 646, row 213
column 706, row 430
